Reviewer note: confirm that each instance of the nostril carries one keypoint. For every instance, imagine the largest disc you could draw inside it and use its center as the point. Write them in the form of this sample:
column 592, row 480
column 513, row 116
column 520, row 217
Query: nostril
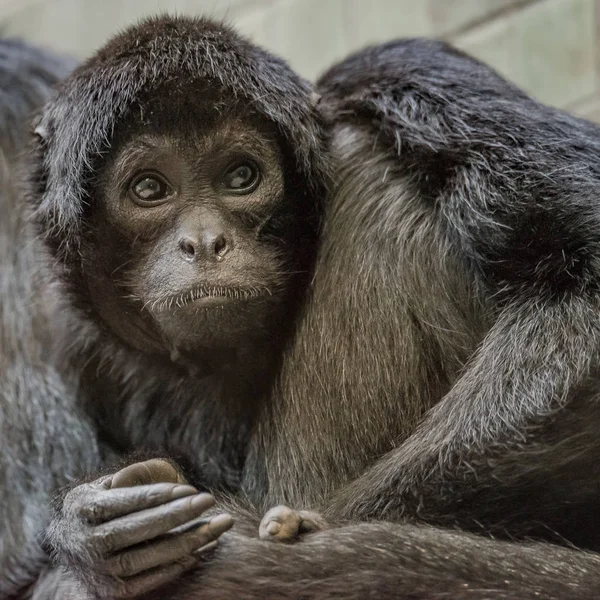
column 188, row 248
column 220, row 246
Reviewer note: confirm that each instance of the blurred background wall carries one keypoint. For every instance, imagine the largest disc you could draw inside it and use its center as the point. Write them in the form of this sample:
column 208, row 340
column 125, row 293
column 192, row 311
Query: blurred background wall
column 549, row 47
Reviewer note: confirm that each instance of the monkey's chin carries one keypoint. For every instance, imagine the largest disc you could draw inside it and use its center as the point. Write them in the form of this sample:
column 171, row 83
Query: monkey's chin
column 214, row 324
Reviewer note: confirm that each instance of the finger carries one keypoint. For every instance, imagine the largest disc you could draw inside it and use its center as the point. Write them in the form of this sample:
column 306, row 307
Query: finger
column 99, row 506
column 155, row 470
column 148, row 582
column 148, row 524
column 280, row 524
column 168, row 550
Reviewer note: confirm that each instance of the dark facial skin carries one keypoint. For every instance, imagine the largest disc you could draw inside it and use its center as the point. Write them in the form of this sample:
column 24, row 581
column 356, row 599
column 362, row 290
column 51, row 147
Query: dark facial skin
column 198, row 266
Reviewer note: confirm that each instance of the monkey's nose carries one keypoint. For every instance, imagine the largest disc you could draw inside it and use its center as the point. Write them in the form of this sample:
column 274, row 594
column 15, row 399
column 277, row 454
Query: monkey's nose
column 207, row 246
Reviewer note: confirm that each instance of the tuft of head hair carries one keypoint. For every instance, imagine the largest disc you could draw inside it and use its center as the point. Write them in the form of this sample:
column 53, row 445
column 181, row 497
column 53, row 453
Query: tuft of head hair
column 78, row 123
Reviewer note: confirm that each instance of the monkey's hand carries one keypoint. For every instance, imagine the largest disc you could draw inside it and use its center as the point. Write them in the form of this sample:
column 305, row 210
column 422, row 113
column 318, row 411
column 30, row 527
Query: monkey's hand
column 283, row 524
column 126, row 534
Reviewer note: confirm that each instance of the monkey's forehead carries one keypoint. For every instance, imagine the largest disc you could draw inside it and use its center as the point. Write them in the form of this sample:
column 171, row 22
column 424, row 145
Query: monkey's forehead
column 78, row 123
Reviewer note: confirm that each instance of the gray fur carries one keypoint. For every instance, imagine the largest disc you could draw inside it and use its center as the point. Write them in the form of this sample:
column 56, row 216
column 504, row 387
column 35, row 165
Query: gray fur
column 36, row 401
column 27, row 75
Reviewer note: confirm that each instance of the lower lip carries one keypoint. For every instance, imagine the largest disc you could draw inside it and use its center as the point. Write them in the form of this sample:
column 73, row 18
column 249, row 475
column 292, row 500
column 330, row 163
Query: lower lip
column 212, row 301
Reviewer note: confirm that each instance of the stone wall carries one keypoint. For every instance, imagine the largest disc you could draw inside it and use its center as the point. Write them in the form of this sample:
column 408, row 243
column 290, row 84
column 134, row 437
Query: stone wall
column 549, row 47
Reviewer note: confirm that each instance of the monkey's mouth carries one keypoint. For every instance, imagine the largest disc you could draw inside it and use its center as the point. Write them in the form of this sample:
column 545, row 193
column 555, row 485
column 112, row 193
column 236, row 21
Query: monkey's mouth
column 208, row 297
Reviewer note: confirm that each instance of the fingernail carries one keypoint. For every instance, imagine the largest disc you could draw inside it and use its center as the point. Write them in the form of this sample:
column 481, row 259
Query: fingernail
column 206, row 548
column 221, row 523
column 203, row 501
column 188, row 561
column 274, row 528
column 181, row 491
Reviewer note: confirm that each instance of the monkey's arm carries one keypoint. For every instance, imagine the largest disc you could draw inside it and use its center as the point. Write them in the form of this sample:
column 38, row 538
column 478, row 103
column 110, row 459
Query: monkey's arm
column 501, row 449
column 45, row 440
column 45, row 446
column 382, row 560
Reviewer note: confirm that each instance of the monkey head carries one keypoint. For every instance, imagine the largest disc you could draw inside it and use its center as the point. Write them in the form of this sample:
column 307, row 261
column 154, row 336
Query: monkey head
column 180, row 182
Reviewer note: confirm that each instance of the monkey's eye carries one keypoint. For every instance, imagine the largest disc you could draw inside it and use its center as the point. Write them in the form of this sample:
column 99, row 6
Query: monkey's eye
column 241, row 178
column 149, row 189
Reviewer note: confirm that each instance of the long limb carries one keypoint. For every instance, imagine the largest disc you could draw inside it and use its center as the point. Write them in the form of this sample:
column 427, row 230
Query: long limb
column 511, row 182
column 34, row 446
column 382, row 560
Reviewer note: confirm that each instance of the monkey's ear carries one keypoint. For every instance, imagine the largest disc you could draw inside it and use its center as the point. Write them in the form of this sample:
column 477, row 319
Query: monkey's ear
column 40, row 131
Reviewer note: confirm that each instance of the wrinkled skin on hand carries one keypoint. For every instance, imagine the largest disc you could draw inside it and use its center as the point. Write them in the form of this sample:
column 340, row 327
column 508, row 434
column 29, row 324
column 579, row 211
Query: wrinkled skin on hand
column 128, row 533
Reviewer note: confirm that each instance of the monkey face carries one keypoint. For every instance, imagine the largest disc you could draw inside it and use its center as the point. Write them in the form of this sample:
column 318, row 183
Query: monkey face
column 192, row 233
